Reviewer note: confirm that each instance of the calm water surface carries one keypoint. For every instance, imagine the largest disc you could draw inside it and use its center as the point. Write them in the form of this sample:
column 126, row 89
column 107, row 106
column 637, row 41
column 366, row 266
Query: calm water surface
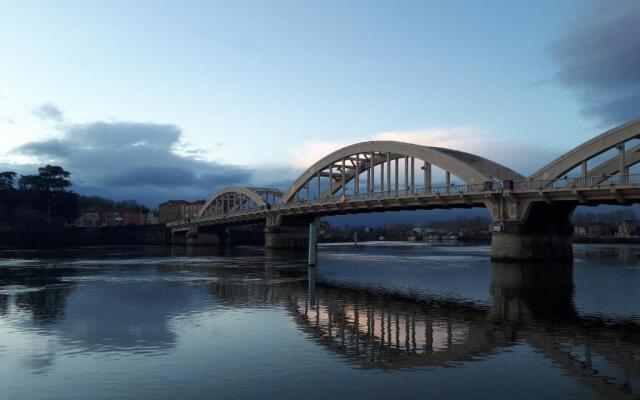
column 373, row 321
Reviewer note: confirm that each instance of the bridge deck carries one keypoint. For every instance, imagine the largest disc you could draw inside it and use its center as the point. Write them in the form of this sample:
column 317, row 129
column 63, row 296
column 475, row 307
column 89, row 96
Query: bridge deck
column 616, row 189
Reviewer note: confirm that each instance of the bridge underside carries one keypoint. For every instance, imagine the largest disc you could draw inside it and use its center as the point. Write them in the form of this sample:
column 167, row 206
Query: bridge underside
column 540, row 236
column 220, row 235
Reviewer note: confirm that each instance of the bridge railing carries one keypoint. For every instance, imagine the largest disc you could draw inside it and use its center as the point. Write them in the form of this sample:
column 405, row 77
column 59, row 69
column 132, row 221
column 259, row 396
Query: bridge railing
column 568, row 182
column 241, row 211
column 391, row 194
column 338, row 198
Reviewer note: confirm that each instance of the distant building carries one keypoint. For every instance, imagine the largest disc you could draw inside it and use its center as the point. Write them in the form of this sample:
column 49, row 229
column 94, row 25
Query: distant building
column 595, row 230
column 174, row 210
column 424, row 231
column 192, row 209
column 170, row 210
column 110, row 218
column 628, row 229
column 132, row 218
column 580, row 230
column 151, row 219
column 88, row 219
column 114, row 218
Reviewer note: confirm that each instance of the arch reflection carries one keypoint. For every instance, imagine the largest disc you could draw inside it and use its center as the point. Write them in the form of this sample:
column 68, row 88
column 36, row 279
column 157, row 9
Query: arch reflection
column 530, row 304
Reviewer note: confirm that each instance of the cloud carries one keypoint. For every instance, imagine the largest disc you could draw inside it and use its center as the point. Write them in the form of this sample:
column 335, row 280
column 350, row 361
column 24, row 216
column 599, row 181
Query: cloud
column 452, row 138
column 599, row 59
column 132, row 160
column 52, row 148
column 48, row 111
column 122, row 135
column 521, row 157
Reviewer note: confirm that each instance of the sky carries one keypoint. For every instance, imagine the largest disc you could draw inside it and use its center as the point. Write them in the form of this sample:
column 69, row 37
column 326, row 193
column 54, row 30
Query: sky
column 151, row 100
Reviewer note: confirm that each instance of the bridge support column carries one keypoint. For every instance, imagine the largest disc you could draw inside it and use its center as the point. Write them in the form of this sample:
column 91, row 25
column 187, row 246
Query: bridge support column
column 178, row 237
column 196, row 237
column 313, row 244
column 286, row 237
column 542, row 233
column 519, row 245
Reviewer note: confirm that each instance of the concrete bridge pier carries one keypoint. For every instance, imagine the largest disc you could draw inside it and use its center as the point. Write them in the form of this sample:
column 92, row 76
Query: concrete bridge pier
column 517, row 243
column 202, row 236
column 287, row 233
column 179, row 237
column 542, row 233
column 281, row 237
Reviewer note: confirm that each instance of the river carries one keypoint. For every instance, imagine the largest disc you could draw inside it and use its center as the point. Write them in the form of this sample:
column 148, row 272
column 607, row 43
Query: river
column 383, row 320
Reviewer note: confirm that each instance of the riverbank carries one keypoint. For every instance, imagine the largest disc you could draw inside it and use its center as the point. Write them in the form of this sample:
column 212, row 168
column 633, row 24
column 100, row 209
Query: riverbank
column 487, row 240
column 584, row 240
column 157, row 234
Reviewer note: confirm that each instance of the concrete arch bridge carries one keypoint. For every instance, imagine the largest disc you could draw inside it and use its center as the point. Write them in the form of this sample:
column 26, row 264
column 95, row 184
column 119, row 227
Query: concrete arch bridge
column 531, row 215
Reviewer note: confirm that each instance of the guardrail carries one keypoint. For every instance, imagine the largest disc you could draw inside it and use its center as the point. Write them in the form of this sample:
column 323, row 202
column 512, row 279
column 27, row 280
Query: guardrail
column 592, row 181
column 339, row 198
column 514, row 186
column 392, row 194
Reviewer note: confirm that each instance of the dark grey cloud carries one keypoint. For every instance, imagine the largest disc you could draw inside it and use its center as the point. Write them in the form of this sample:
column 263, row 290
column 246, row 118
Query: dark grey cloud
column 133, row 160
column 48, row 111
column 599, row 58
column 121, row 135
column 51, row 148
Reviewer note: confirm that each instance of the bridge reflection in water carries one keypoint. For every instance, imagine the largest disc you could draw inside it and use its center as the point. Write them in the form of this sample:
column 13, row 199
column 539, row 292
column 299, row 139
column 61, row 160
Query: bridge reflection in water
column 389, row 332
column 530, row 305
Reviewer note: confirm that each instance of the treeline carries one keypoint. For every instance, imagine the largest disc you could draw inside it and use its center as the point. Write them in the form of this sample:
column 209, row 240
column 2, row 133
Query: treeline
column 400, row 231
column 100, row 204
column 38, row 209
column 612, row 217
column 38, row 205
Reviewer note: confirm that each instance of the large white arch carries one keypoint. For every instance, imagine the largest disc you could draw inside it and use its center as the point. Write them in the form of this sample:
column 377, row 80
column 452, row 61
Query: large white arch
column 472, row 169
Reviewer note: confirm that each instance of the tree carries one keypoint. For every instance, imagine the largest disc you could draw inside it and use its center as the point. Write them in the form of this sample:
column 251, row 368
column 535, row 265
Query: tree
column 97, row 204
column 7, row 180
column 8, row 197
column 46, row 192
column 50, row 178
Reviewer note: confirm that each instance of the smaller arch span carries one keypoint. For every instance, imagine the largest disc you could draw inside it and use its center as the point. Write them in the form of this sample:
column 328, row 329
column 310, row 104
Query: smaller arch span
column 233, row 198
